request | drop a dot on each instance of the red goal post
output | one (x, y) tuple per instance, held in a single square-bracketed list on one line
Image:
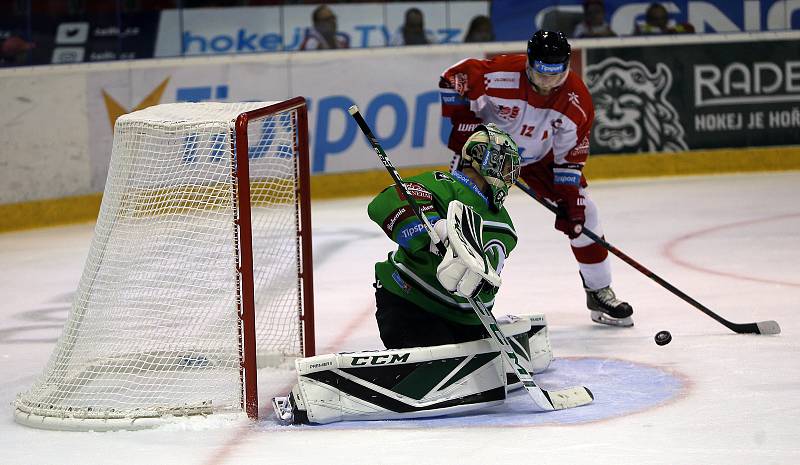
[(304, 237)]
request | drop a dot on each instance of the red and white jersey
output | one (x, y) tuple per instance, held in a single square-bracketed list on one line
[(498, 91)]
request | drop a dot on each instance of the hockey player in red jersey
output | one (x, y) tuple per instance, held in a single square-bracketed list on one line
[(548, 110)]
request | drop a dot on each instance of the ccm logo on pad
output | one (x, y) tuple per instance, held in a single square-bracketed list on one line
[(380, 359)]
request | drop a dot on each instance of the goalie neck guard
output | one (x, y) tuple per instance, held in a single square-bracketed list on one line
[(495, 155)]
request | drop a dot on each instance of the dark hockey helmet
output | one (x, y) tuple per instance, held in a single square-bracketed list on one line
[(495, 155), (548, 59)]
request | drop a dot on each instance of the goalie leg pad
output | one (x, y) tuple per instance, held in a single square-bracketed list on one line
[(529, 337), (401, 383), (539, 343)]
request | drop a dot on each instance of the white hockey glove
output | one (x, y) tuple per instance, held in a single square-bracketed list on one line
[(465, 266), (441, 230)]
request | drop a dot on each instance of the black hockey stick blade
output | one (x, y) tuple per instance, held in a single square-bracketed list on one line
[(763, 327)]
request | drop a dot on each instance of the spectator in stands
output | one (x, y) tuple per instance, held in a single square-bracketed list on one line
[(13, 50), (594, 21), (412, 31), (657, 21), (324, 34), (480, 30)]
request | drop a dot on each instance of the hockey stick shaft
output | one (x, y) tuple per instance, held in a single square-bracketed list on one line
[(762, 327), (545, 400), (412, 202)]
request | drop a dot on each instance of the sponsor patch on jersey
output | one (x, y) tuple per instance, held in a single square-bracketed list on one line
[(507, 113), (412, 230), (417, 190), (467, 127), (460, 82), (549, 68), (501, 80), (401, 282), (470, 184), (453, 99), (566, 176), (397, 216), (580, 151)]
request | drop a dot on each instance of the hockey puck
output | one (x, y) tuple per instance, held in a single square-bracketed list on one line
[(663, 338)]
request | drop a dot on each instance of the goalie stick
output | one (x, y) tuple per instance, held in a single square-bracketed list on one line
[(546, 400), (761, 327)]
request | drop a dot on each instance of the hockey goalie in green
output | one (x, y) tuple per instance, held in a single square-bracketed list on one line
[(439, 358)]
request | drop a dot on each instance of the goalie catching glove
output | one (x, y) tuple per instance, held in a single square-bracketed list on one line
[(464, 266)]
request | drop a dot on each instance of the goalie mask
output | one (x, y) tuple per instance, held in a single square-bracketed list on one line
[(495, 155)]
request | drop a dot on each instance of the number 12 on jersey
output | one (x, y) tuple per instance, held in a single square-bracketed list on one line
[(526, 130)]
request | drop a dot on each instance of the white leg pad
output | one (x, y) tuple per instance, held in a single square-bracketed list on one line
[(529, 337), (539, 343), (402, 383)]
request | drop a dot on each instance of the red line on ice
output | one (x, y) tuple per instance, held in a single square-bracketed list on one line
[(671, 254), (221, 455)]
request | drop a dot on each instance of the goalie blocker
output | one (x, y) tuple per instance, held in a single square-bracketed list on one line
[(413, 383)]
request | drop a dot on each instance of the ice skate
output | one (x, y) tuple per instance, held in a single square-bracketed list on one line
[(607, 309)]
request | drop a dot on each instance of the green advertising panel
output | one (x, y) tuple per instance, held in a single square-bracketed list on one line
[(695, 96)]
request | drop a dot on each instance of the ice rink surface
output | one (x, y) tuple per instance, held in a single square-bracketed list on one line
[(709, 397)]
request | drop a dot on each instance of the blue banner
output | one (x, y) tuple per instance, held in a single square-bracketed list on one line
[(515, 20), (87, 38)]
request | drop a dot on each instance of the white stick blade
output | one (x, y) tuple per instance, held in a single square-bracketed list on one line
[(768, 327), (353, 109), (570, 397)]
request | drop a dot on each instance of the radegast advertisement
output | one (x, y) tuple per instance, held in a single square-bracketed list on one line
[(690, 96)]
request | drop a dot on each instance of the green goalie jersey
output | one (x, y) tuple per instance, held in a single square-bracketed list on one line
[(410, 271)]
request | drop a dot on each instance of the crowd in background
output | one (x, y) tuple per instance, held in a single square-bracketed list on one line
[(656, 21), (593, 23), (322, 33)]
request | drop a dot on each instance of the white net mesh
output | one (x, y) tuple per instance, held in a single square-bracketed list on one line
[(154, 328)]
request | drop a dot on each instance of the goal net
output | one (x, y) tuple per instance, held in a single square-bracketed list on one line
[(199, 270)]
